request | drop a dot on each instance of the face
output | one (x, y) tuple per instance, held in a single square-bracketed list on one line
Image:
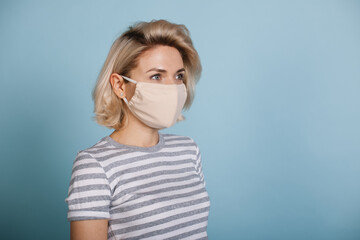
[(161, 64)]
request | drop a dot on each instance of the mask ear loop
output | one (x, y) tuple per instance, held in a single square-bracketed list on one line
[(130, 80)]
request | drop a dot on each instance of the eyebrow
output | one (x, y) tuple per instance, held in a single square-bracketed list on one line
[(163, 70)]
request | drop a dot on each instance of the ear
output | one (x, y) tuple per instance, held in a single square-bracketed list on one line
[(118, 85)]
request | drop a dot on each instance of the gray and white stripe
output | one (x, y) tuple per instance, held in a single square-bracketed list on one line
[(146, 193)]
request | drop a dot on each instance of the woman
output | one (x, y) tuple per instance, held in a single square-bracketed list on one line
[(139, 183)]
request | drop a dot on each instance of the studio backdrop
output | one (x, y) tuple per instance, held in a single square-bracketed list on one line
[(276, 112)]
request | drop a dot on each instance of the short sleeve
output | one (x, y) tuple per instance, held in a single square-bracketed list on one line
[(89, 193), (198, 165)]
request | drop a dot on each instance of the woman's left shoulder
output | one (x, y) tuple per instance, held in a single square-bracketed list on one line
[(169, 137)]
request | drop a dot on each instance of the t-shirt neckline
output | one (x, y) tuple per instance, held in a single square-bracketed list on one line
[(154, 148)]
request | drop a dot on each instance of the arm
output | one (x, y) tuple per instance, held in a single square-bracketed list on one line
[(198, 163), (89, 229), (198, 166), (88, 200)]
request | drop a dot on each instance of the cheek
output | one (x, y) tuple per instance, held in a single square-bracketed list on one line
[(130, 90)]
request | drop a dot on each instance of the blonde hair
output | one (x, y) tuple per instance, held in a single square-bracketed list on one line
[(123, 57)]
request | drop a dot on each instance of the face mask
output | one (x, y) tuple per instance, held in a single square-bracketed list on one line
[(157, 105)]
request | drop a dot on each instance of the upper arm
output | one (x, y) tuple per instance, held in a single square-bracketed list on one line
[(89, 194), (89, 229), (198, 166), (88, 200), (198, 162)]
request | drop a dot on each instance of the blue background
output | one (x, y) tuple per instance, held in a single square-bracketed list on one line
[(276, 113)]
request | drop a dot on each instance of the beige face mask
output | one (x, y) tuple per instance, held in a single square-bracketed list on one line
[(157, 105)]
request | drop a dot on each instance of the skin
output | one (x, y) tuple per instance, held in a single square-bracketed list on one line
[(89, 230), (136, 133)]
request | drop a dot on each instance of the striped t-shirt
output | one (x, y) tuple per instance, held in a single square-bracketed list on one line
[(153, 192)]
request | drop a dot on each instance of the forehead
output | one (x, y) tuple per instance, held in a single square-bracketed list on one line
[(165, 57)]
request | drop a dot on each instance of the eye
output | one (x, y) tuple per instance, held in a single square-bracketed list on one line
[(180, 76), (155, 77)]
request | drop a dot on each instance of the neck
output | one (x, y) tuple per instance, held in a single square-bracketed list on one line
[(136, 133)]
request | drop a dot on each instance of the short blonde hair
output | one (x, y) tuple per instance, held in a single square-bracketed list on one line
[(123, 57)]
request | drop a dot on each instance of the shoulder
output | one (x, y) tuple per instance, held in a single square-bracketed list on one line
[(88, 153), (171, 136), (179, 139), (101, 144)]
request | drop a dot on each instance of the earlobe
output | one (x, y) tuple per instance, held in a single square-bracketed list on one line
[(117, 84)]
